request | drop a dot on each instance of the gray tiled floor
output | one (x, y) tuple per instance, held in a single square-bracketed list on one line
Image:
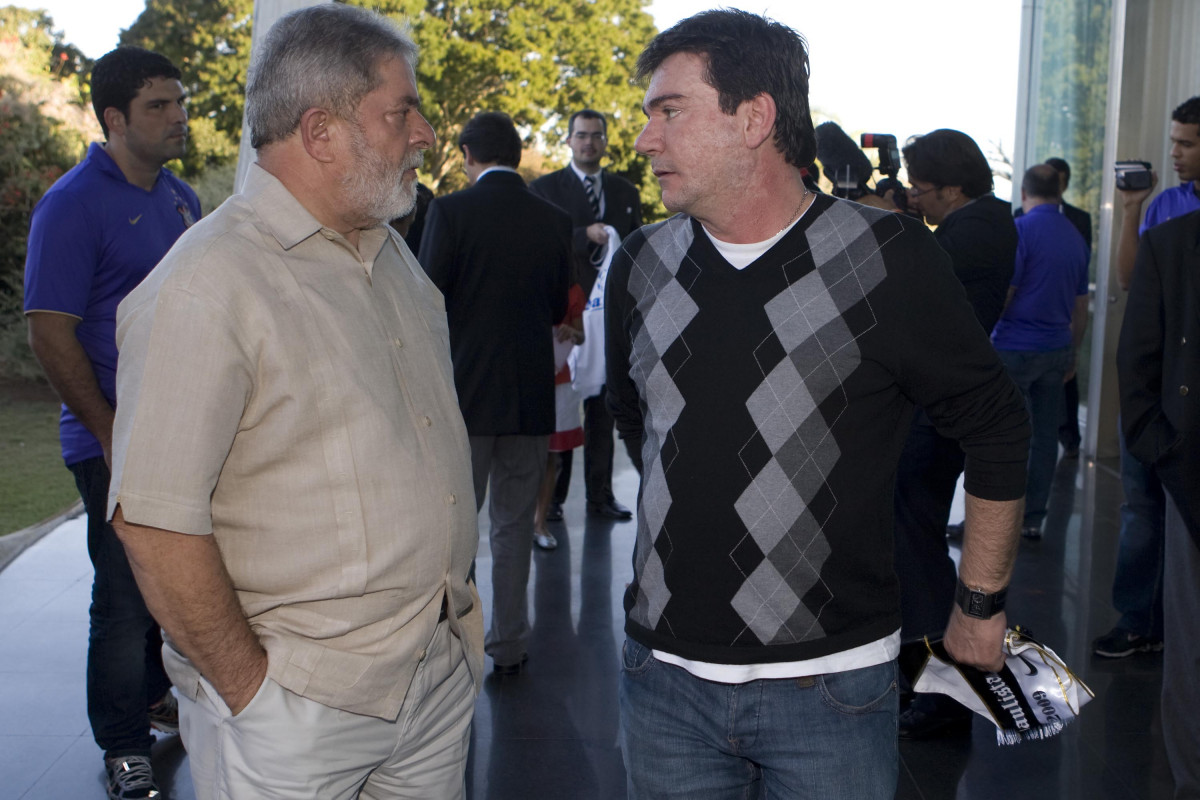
[(552, 731)]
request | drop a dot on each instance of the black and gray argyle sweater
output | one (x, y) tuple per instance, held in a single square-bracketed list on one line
[(772, 404)]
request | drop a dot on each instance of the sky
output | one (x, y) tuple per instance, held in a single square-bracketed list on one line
[(878, 66)]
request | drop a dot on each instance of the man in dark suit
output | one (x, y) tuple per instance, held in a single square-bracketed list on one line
[(1158, 365), (951, 188), (501, 258), (594, 198)]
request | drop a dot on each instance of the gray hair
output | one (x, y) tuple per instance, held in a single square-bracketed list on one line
[(324, 56)]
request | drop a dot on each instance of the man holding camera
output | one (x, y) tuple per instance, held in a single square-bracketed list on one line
[(1137, 583), (952, 188)]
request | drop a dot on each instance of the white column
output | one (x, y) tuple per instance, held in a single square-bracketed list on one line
[(265, 14)]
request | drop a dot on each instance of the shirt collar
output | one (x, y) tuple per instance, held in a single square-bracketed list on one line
[(496, 168), (289, 221), (104, 162), (581, 174)]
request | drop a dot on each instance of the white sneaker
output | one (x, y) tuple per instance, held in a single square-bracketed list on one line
[(545, 541)]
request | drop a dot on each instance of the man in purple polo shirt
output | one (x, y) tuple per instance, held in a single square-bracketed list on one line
[(1042, 325), (1138, 579), (94, 236)]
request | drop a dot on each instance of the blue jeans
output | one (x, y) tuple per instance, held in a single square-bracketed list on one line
[(824, 737), (1040, 378), (125, 674), (1138, 580)]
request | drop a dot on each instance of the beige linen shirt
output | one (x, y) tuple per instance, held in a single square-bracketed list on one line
[(293, 396)]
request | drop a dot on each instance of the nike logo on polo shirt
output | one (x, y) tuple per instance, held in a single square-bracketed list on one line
[(135, 220)]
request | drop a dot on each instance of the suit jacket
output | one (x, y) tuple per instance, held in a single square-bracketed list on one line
[(501, 257), (981, 240), (1158, 361), (622, 210)]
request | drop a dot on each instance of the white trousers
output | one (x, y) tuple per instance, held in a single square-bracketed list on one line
[(283, 745)]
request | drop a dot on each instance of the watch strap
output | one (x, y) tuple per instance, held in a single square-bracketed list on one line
[(977, 603)]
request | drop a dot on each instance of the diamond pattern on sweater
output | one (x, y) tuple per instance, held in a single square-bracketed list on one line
[(657, 273), (810, 351)]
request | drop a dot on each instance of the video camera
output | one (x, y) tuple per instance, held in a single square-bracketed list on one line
[(1133, 175), (889, 166)]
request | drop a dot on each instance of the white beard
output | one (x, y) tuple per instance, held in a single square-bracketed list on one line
[(376, 189)]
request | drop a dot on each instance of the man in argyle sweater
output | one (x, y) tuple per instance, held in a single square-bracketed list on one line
[(766, 347)]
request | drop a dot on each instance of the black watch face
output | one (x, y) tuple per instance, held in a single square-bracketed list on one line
[(976, 604)]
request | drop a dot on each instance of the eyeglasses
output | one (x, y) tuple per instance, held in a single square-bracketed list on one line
[(581, 136), (913, 191)]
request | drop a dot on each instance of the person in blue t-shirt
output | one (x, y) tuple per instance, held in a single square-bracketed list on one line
[(1041, 328), (94, 236), (1138, 580)]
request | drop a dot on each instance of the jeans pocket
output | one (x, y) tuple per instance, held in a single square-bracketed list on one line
[(859, 691), (635, 659)]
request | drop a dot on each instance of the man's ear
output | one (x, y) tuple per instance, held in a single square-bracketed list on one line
[(115, 121), (319, 130), (467, 159), (759, 119)]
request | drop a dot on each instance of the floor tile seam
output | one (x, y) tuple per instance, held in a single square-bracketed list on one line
[(49, 768), (911, 777), (1131, 790)]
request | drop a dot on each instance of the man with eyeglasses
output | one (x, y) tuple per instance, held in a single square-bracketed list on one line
[(952, 189), (594, 198)]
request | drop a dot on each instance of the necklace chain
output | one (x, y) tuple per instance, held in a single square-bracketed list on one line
[(799, 210)]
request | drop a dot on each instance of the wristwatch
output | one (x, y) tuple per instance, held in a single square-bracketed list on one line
[(978, 603)]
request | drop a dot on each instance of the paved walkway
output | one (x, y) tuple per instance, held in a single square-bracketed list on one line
[(551, 733)]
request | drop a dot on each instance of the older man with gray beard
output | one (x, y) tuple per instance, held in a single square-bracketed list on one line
[(291, 474)]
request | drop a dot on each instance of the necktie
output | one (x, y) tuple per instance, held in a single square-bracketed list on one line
[(595, 251), (593, 193)]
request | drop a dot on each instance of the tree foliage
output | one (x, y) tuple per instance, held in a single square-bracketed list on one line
[(209, 40), (1073, 95), (45, 126), (536, 60)]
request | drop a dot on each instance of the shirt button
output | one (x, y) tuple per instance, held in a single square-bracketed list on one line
[(428, 422), (452, 500), (1183, 340), (1183, 390), (399, 344)]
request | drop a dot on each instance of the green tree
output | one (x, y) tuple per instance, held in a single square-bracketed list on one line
[(536, 60), (1073, 95), (1072, 107), (209, 40), (30, 43), (45, 126)]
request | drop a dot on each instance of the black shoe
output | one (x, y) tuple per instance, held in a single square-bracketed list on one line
[(1119, 643), (954, 530), (610, 509), (1032, 532), (933, 716), (554, 513), (510, 669)]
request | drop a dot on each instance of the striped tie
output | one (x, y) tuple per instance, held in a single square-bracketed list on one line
[(593, 193), (595, 251)]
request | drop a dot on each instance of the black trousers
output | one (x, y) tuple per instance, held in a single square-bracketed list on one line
[(925, 480), (597, 454)]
